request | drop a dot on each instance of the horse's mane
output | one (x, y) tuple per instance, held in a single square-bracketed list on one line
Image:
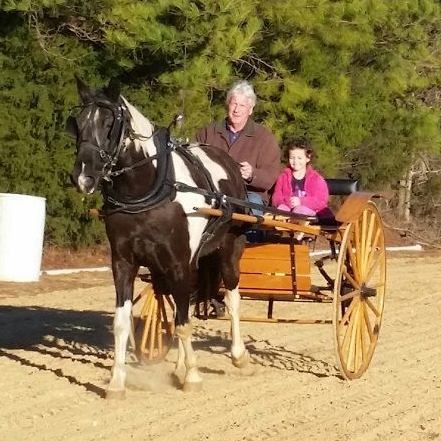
[(141, 126)]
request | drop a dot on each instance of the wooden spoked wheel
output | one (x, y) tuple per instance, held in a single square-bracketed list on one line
[(153, 326), (359, 291)]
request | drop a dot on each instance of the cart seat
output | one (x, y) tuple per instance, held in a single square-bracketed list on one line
[(336, 187), (342, 187)]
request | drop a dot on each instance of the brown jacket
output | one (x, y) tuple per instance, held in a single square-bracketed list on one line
[(256, 145)]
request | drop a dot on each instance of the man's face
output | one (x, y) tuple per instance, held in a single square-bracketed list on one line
[(239, 110)]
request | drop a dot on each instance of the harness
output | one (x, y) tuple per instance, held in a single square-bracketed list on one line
[(162, 191), (165, 186)]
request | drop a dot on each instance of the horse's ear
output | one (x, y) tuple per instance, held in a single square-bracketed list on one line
[(71, 126), (84, 90), (112, 90)]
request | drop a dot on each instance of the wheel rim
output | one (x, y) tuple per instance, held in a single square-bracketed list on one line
[(154, 326), (359, 291)]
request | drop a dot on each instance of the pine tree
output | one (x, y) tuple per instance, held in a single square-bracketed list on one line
[(355, 76)]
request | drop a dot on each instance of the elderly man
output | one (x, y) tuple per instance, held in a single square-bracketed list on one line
[(250, 144)]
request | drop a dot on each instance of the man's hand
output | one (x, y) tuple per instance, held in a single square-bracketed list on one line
[(246, 170)]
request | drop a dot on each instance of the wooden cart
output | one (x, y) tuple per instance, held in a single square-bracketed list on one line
[(280, 270)]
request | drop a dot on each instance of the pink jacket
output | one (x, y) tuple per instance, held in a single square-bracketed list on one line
[(316, 189)]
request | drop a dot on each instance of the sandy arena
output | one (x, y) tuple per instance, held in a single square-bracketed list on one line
[(56, 349)]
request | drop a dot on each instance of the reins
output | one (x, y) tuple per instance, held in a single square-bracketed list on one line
[(134, 135), (220, 199), (137, 164)]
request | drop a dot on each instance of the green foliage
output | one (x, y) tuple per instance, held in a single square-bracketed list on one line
[(37, 155), (355, 76)]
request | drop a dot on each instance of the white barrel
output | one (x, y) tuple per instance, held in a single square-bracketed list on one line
[(21, 237)]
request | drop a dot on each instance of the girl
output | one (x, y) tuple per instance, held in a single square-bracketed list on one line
[(300, 189)]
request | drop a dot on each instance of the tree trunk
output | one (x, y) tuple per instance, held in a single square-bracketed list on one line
[(404, 195)]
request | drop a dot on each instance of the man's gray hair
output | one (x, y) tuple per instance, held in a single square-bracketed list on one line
[(243, 88)]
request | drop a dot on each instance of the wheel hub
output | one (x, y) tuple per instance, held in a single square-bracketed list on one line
[(366, 291)]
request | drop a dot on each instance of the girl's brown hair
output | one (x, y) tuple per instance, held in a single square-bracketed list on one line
[(299, 143)]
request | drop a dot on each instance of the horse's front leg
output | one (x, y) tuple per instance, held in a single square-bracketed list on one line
[(239, 353), (124, 275), (186, 354)]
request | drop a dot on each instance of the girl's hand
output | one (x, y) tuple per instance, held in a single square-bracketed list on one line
[(295, 201)]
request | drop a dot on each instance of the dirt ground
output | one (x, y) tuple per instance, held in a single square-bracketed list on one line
[(56, 354)]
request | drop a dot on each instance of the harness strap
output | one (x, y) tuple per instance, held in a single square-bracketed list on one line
[(214, 223), (163, 189), (197, 163)]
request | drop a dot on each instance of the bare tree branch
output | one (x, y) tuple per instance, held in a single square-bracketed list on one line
[(411, 233), (75, 25)]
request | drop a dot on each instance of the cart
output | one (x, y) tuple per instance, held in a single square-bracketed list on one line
[(279, 270)]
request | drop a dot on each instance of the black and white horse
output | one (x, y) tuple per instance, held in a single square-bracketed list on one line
[(150, 222)]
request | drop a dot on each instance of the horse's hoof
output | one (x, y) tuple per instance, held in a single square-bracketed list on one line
[(192, 387), (115, 394), (241, 361)]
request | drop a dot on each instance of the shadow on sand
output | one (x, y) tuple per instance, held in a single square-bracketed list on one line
[(86, 337), (266, 354), (80, 336)]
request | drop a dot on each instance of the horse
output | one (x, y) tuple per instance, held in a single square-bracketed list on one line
[(151, 187)]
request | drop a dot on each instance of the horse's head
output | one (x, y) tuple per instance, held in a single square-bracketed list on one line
[(98, 129)]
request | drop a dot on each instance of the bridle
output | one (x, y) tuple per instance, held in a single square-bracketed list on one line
[(119, 131)]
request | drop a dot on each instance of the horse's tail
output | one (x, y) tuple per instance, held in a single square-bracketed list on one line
[(209, 276)]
